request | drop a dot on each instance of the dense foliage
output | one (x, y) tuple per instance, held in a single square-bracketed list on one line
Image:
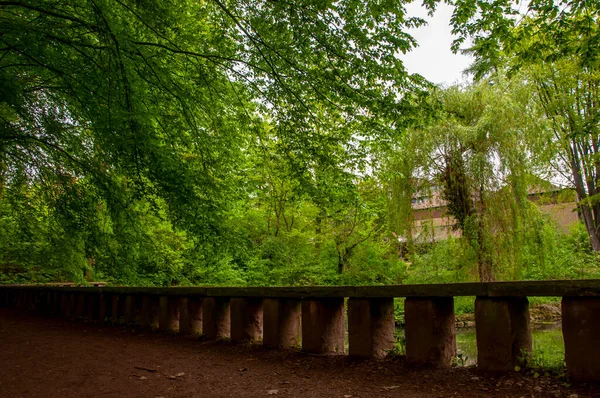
[(266, 142)]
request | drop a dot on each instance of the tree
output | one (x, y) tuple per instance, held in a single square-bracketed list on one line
[(161, 100), (554, 44), (477, 153)]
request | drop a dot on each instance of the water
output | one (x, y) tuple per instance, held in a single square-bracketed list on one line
[(548, 346)]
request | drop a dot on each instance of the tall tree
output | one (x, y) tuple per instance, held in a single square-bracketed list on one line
[(476, 158), (160, 99), (556, 43)]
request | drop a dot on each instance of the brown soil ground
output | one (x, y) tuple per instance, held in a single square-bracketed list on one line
[(49, 357)]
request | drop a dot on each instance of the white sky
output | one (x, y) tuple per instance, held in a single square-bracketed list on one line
[(433, 59)]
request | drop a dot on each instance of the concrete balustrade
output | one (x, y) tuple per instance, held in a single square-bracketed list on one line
[(314, 317), (80, 305), (132, 309), (581, 332), (93, 307), (168, 316), (190, 318), (430, 331), (115, 309), (216, 321), (281, 322), (323, 329), (246, 319), (503, 332), (104, 302), (370, 327), (149, 312)]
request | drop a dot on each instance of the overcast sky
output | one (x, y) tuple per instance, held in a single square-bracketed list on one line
[(433, 58)]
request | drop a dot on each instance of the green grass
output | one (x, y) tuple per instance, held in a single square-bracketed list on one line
[(548, 349)]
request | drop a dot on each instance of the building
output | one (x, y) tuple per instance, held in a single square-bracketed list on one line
[(432, 222)]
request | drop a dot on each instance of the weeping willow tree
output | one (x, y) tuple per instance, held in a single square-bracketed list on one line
[(476, 157), (556, 43)]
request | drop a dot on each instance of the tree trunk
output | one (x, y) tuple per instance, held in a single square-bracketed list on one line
[(586, 211)]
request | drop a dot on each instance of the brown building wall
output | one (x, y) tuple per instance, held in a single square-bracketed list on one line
[(433, 223)]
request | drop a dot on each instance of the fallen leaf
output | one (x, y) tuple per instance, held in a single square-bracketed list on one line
[(272, 392), (143, 377)]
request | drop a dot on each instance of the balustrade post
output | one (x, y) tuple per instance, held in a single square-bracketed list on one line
[(503, 332), (190, 320), (430, 331), (4, 298), (323, 329), (105, 306), (79, 305), (168, 320), (132, 309), (149, 313), (116, 308), (370, 326), (67, 302), (246, 319), (56, 303), (281, 322), (41, 301), (92, 306), (216, 317), (581, 332)]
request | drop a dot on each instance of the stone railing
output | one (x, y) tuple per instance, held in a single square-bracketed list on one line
[(314, 317)]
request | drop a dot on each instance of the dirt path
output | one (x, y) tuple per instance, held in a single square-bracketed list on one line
[(49, 357)]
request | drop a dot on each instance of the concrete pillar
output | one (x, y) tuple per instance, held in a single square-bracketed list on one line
[(20, 300), (116, 308), (56, 297), (246, 319), (41, 301), (34, 299), (430, 331), (168, 318), (281, 322), (581, 332), (67, 304), (4, 295), (323, 329), (503, 333), (92, 307), (216, 319), (190, 319), (104, 307), (371, 326), (80, 305), (132, 309), (149, 313)]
